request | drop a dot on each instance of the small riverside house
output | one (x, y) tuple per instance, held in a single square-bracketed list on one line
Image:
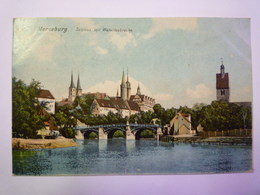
[(181, 124)]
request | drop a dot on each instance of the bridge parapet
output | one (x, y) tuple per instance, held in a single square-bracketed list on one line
[(116, 126), (130, 129)]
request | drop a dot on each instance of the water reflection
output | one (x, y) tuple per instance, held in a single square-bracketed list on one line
[(116, 145), (130, 146), (37, 166), (102, 145), (120, 156)]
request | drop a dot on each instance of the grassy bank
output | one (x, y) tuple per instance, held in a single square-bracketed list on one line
[(19, 143)]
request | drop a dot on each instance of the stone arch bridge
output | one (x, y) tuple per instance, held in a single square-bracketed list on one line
[(131, 131)]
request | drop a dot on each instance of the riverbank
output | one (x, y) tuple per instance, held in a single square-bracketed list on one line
[(216, 140), (19, 143)]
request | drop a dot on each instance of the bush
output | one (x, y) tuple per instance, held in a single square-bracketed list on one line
[(118, 134), (67, 132)]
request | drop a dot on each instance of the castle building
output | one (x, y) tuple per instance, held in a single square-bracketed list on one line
[(120, 106), (124, 104), (145, 102), (222, 85)]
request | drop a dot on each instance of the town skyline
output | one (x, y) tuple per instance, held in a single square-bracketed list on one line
[(175, 60)]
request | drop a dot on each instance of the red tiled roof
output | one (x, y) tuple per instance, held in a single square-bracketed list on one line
[(118, 104), (45, 94), (133, 96), (65, 102), (184, 116), (133, 106), (222, 82), (51, 120), (114, 103)]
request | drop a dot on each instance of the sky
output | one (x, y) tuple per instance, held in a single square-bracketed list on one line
[(174, 60)]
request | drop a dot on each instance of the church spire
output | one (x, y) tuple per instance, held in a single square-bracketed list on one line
[(123, 87), (72, 90), (138, 90), (222, 68), (71, 82), (127, 75), (78, 83), (128, 86), (123, 78)]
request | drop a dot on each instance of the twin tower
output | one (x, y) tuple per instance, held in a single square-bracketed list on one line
[(74, 91), (125, 88)]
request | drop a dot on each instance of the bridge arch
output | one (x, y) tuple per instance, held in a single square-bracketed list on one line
[(87, 133), (138, 131), (111, 131)]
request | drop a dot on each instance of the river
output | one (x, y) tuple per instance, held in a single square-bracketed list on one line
[(119, 156)]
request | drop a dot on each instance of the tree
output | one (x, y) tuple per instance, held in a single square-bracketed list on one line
[(185, 109), (66, 121), (84, 102), (198, 106), (25, 109), (147, 134), (158, 110), (222, 115), (142, 117), (196, 114), (168, 115), (246, 113), (67, 132)]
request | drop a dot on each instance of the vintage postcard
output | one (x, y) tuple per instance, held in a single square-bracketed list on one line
[(128, 96)]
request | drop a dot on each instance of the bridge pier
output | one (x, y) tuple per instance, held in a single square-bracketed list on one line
[(128, 133), (79, 135), (101, 134), (159, 133)]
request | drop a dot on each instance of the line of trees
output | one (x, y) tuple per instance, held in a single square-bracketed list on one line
[(27, 118), (25, 109), (27, 112), (219, 115), (224, 116)]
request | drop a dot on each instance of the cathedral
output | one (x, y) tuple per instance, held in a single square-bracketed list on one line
[(125, 103)]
